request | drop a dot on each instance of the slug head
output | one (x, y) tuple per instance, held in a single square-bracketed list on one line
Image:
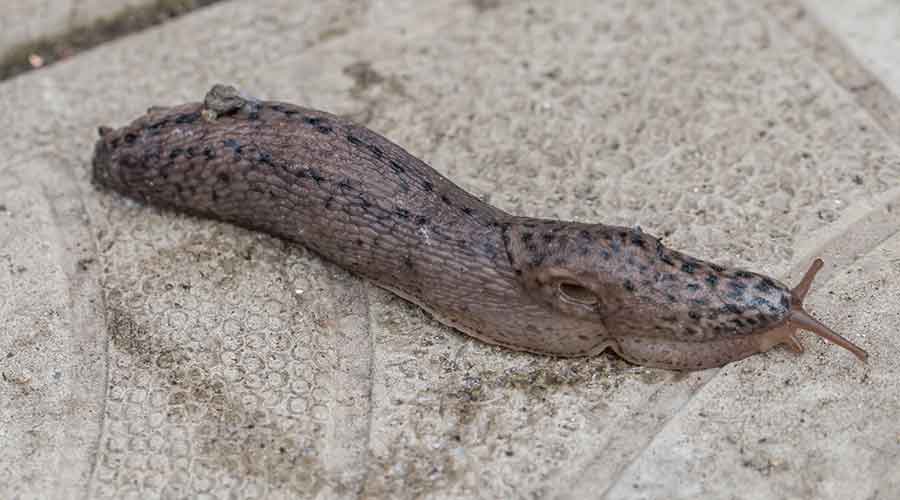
[(798, 318), (622, 289), (127, 158)]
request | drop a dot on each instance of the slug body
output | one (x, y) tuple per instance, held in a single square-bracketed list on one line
[(359, 200)]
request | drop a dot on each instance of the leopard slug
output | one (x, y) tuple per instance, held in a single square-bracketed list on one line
[(545, 286)]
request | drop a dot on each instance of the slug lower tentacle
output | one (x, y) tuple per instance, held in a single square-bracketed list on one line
[(545, 286)]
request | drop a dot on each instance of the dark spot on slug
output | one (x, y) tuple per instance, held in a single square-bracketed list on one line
[(187, 118), (154, 128), (175, 153), (717, 268), (692, 287), (446, 200), (344, 185), (233, 144), (467, 210), (743, 274), (694, 315), (628, 285), (732, 308), (585, 235), (265, 157), (662, 255), (765, 285), (688, 267), (547, 237), (312, 173), (489, 249), (637, 240), (427, 186), (615, 247), (402, 212), (130, 138), (356, 141), (396, 166), (147, 157), (759, 303), (375, 150), (407, 261), (712, 280), (784, 302), (223, 177), (209, 153), (320, 125), (526, 237), (421, 220)]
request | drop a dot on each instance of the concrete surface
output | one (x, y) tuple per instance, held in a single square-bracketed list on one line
[(150, 355), (26, 21)]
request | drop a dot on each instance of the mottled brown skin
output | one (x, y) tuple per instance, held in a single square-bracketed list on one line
[(359, 200)]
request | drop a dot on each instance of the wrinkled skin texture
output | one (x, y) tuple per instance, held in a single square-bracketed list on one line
[(359, 200)]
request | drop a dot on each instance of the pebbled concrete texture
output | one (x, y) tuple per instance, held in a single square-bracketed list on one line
[(28, 21), (147, 354)]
